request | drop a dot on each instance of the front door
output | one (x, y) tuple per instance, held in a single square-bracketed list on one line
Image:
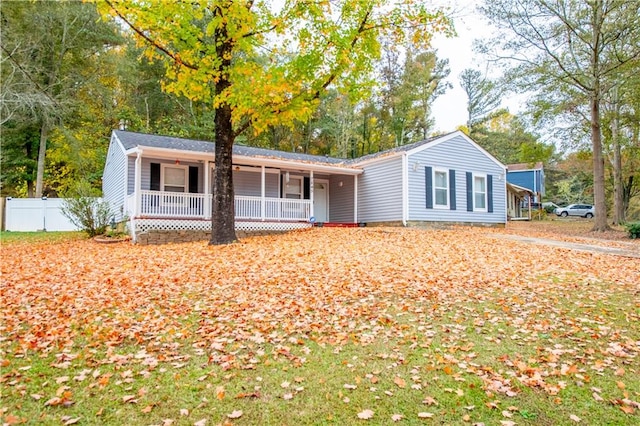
[(321, 200)]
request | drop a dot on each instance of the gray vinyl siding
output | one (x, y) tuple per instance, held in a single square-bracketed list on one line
[(113, 183), (245, 182), (248, 183), (146, 172), (341, 199), (131, 174), (380, 191), (457, 154)]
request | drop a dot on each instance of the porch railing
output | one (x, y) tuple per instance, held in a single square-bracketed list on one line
[(198, 206)]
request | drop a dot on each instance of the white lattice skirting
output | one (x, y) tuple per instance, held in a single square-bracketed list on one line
[(145, 225)]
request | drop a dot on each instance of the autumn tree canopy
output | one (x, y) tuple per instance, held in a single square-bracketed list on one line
[(573, 53), (260, 63)]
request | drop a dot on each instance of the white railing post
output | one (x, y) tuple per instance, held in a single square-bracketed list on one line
[(311, 212), (263, 193), (138, 184), (207, 192)]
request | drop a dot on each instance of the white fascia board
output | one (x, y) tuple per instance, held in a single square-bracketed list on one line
[(519, 188), (450, 136), (114, 137), (380, 159), (524, 170), (173, 154), (298, 165)]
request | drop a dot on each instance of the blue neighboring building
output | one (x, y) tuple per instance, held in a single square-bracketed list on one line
[(528, 175)]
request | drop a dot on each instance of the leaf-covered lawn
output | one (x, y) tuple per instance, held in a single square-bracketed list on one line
[(327, 326)]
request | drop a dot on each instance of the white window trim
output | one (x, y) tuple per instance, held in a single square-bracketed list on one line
[(174, 166), (301, 193), (486, 192), (446, 172)]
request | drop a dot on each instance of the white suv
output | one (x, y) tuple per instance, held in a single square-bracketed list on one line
[(582, 210)]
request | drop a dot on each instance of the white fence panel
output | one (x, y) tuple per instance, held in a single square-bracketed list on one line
[(34, 214)]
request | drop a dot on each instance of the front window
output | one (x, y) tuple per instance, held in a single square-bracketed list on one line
[(293, 188), (174, 179), (480, 193), (441, 188)]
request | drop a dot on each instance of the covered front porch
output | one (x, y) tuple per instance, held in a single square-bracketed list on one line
[(169, 193)]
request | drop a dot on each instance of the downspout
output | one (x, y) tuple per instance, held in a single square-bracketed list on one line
[(312, 197), (506, 194), (355, 198), (137, 187), (405, 188)]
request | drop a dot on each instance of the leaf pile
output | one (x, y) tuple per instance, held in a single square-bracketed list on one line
[(507, 315)]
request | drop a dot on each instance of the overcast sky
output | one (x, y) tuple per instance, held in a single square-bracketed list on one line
[(450, 109)]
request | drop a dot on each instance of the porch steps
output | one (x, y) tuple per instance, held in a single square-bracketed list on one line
[(337, 224)]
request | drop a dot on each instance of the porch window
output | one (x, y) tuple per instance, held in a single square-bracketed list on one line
[(441, 188), (480, 193), (174, 178), (293, 188)]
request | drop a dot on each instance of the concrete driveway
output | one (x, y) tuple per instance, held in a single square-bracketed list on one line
[(632, 251)]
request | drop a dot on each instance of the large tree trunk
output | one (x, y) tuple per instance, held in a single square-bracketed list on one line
[(223, 217), (223, 229), (600, 222), (44, 130)]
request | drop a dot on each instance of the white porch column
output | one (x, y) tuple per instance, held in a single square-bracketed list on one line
[(355, 198), (311, 213), (263, 193), (138, 185), (207, 191)]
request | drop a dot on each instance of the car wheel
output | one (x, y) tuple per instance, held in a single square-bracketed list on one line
[(588, 215), (564, 214)]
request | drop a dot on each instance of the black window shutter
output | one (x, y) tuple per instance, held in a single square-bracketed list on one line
[(469, 191), (306, 190), (193, 179), (452, 189), (428, 179), (154, 185), (490, 193)]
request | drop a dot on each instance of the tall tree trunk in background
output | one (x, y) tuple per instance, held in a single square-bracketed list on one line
[(619, 211), (44, 132), (618, 186), (600, 222)]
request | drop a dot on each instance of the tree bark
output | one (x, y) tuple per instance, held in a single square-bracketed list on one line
[(600, 221), (618, 186), (223, 213), (44, 131)]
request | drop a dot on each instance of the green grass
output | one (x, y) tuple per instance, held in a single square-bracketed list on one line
[(138, 340), (34, 237), (441, 356)]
